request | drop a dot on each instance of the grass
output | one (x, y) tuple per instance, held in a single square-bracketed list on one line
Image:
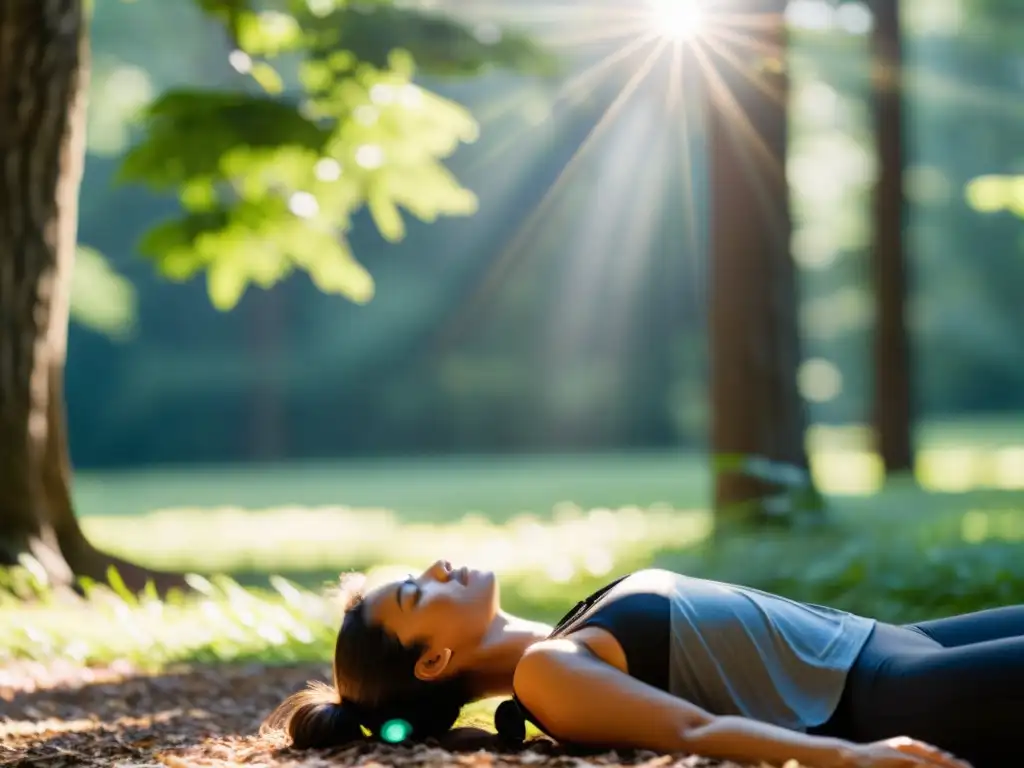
[(953, 456), (900, 555)]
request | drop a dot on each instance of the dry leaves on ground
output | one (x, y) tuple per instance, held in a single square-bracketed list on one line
[(65, 715)]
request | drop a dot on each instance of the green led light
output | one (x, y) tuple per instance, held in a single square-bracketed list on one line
[(395, 731)]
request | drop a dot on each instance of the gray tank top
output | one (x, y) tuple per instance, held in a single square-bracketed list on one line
[(731, 650), (739, 651)]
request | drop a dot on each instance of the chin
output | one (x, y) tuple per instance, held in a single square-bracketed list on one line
[(489, 587)]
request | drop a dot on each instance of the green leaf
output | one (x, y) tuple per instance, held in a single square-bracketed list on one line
[(335, 270), (268, 33), (267, 77), (172, 154), (270, 184), (118, 586), (440, 44), (386, 216), (226, 282)]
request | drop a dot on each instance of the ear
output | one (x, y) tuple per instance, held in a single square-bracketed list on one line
[(433, 663)]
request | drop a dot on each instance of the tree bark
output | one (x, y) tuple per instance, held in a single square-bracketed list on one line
[(43, 78), (758, 417), (892, 410)]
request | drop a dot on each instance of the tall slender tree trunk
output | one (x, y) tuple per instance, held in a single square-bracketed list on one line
[(43, 74), (892, 408), (758, 417)]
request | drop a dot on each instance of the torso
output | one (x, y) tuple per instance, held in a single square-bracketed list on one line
[(629, 628), (728, 649)]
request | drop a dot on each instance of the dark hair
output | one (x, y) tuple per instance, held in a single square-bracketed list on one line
[(374, 683)]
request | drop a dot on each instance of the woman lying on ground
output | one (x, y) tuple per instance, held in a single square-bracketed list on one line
[(664, 662)]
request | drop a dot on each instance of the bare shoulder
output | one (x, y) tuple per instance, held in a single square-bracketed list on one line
[(579, 698), (542, 659)]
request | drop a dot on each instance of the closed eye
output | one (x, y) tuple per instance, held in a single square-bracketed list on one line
[(409, 586)]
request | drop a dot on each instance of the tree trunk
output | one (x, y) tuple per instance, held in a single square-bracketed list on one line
[(758, 417), (43, 72), (892, 413)]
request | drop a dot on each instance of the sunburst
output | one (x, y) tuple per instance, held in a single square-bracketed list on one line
[(622, 41), (676, 20)]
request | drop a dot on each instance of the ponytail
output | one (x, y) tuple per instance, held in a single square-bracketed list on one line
[(315, 718)]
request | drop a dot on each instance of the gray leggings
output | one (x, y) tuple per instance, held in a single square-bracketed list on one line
[(957, 683)]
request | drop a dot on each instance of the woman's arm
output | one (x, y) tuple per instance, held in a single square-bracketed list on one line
[(583, 700)]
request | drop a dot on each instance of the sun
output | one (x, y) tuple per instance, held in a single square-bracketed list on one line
[(676, 19)]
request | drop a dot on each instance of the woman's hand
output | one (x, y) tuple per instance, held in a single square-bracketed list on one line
[(904, 752)]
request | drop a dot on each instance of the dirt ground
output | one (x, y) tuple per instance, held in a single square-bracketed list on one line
[(66, 715)]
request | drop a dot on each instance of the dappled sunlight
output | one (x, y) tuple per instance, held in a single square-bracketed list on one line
[(979, 526), (320, 539), (942, 470), (222, 621)]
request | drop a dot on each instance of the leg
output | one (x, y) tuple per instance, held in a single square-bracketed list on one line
[(968, 700), (979, 627)]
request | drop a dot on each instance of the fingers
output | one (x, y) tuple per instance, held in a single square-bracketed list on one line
[(932, 754)]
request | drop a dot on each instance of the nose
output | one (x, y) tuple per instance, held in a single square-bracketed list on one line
[(440, 571)]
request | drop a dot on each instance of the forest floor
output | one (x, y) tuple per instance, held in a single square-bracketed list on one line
[(208, 716)]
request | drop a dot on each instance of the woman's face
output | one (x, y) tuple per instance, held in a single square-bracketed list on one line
[(448, 609)]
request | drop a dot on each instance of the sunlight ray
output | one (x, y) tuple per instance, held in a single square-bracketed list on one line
[(746, 41), (746, 71), (582, 79), (602, 34), (719, 92), (549, 12), (599, 284), (511, 101), (480, 160), (678, 111), (506, 259), (570, 93), (746, 20), (675, 78)]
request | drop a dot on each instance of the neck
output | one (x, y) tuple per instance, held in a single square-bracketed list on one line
[(494, 664)]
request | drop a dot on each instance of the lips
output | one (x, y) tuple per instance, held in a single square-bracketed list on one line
[(463, 576)]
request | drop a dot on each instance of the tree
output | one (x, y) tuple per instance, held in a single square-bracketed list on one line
[(892, 407), (268, 180), (758, 417), (41, 152), (280, 171)]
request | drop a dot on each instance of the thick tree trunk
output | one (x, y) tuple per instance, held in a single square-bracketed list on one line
[(758, 416), (43, 69), (892, 413)]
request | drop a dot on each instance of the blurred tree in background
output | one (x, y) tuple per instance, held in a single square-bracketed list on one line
[(759, 419), (268, 181), (892, 391), (593, 336)]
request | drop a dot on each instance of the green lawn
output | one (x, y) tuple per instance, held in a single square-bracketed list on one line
[(900, 555), (520, 514), (414, 489), (953, 456), (554, 528)]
